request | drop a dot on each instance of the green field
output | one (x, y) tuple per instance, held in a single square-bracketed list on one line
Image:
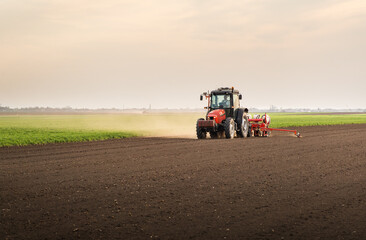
[(19, 130)]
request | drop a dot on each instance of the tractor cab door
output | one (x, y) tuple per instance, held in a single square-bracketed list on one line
[(230, 110), (234, 105)]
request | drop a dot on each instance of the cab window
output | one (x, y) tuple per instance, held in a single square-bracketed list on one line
[(221, 101)]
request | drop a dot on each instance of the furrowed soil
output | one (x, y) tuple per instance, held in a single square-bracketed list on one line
[(281, 187)]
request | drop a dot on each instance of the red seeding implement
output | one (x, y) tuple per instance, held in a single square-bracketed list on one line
[(226, 118), (259, 126)]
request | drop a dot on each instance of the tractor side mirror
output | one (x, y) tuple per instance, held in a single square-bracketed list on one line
[(240, 96), (201, 97)]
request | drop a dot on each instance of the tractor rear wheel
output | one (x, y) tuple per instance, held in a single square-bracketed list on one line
[(229, 128), (201, 133), (243, 125)]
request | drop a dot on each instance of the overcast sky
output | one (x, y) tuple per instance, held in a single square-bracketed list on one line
[(92, 53)]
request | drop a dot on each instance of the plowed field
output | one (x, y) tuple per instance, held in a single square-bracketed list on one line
[(174, 188)]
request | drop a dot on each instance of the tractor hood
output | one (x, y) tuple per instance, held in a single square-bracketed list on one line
[(218, 115)]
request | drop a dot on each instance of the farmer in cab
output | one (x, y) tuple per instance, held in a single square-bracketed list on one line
[(225, 102)]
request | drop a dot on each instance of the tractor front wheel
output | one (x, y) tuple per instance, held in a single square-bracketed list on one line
[(201, 133), (229, 128), (213, 134)]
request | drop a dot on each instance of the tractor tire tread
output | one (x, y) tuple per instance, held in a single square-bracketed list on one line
[(229, 121), (201, 133)]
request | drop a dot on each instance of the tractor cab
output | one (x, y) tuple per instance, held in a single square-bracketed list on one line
[(227, 99)]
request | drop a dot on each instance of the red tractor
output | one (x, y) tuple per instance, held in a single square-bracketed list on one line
[(224, 115), (226, 118)]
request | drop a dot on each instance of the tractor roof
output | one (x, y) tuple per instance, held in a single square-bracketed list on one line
[(225, 90)]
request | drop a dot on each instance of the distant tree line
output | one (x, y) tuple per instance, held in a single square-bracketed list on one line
[(5, 109)]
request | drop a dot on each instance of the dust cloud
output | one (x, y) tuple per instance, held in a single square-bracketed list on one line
[(149, 125)]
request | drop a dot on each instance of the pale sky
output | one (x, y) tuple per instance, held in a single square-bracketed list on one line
[(92, 53)]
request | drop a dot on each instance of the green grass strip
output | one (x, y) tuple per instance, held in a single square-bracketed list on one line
[(28, 136), (283, 120)]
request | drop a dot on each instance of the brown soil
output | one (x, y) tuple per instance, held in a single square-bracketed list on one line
[(279, 187)]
